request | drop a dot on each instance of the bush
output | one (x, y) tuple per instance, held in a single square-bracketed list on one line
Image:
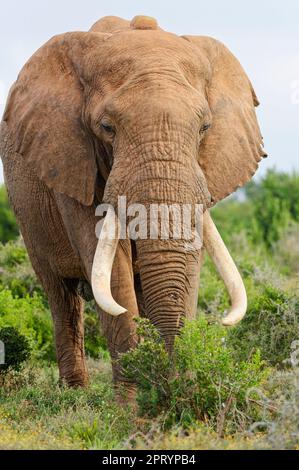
[(8, 225), (30, 318), (13, 254), (19, 279), (271, 322), (270, 325), (203, 381), (16, 271), (286, 253), (16, 350), (264, 211), (283, 428), (150, 364), (275, 202)]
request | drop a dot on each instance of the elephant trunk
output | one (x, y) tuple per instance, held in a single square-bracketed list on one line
[(169, 278)]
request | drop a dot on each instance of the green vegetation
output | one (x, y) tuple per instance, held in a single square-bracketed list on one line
[(23, 305), (203, 381), (270, 326), (275, 202), (231, 388), (8, 226), (36, 412), (17, 349)]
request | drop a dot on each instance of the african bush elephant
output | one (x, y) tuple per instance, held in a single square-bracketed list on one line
[(125, 109)]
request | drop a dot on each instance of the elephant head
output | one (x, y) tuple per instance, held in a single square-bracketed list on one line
[(150, 115)]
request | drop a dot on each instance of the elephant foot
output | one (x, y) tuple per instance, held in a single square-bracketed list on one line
[(77, 380)]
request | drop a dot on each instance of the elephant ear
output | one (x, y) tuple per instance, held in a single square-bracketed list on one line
[(43, 114), (233, 146)]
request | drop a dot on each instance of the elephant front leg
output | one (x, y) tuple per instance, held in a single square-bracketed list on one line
[(120, 331), (67, 312)]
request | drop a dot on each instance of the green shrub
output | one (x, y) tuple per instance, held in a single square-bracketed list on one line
[(279, 185), (286, 253), (149, 363), (16, 271), (30, 318), (264, 210), (16, 348), (271, 322), (18, 277), (283, 428), (8, 225), (13, 254), (206, 365), (203, 381), (23, 304), (270, 325), (275, 202)]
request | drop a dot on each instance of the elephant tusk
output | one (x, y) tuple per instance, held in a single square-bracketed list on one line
[(102, 266), (227, 270)]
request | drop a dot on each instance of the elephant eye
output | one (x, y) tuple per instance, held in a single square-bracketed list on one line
[(205, 127), (107, 127)]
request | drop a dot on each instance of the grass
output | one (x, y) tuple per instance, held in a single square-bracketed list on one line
[(37, 413)]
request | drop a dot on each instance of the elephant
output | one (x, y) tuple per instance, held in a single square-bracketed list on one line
[(125, 108)]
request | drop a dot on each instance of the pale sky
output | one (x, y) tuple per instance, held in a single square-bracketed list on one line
[(263, 34)]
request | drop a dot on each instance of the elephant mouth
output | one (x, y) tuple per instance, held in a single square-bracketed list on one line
[(212, 241)]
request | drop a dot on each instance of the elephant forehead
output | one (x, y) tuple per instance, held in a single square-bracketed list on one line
[(133, 51), (137, 42)]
